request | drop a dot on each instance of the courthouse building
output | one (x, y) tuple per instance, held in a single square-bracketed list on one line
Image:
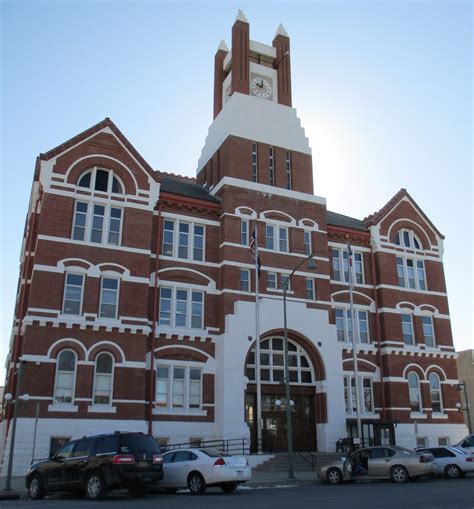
[(136, 299)]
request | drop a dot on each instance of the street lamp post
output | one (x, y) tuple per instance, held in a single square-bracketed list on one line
[(311, 265), (461, 386)]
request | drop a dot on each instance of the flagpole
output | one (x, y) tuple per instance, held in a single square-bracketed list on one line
[(257, 349), (354, 345)]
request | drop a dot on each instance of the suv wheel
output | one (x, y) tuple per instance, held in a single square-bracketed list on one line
[(196, 483), (96, 487), (36, 489), (453, 471)]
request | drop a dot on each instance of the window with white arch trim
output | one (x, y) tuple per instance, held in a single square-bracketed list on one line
[(272, 363), (435, 393), (414, 391), (99, 179), (65, 380), (407, 238), (103, 379)]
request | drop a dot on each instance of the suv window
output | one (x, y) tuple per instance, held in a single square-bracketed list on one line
[(65, 452), (83, 448), (137, 443), (107, 444)]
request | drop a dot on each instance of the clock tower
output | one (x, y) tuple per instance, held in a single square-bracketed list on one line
[(256, 134)]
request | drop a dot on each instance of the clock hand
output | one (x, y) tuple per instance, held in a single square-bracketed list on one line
[(261, 84)]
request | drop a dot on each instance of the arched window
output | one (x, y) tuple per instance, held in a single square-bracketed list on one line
[(414, 391), (102, 180), (407, 238), (435, 392), (272, 363), (103, 378), (65, 377)]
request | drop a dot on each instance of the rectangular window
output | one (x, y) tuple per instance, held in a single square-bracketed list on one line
[(178, 387), (80, 221), (347, 399), (340, 327), (168, 238), (407, 328), (340, 266), (244, 280), (411, 273), (73, 294), (115, 221), (165, 306), (421, 274), (344, 325), (288, 170), (272, 281), (363, 327), (271, 166), (109, 298), (307, 243), (283, 235), (368, 395), (183, 240), (428, 333), (254, 163), (198, 243), (97, 223), (181, 308), (244, 232), (400, 272), (270, 237), (310, 294), (197, 310), (284, 279)]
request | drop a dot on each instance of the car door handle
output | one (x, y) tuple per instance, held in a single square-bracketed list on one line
[(387, 461)]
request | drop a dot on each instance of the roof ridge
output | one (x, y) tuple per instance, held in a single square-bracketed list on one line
[(177, 175)]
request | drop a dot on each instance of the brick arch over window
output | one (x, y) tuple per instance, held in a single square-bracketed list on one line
[(437, 371), (180, 354), (107, 348), (68, 344), (415, 368), (409, 225), (88, 163), (310, 350)]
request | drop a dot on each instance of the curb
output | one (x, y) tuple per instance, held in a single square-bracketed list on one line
[(9, 495)]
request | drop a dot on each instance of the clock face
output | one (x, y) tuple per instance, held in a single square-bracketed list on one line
[(260, 87)]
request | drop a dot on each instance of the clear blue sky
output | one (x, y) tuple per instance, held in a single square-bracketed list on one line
[(384, 90)]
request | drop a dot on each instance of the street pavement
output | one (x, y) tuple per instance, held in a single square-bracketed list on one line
[(276, 492)]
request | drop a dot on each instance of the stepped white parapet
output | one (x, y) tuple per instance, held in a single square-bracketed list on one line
[(255, 119)]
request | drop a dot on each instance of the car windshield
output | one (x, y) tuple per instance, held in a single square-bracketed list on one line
[(214, 453), (402, 449), (137, 442), (458, 451)]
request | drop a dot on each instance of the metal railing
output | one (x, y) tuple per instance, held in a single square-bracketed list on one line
[(229, 446)]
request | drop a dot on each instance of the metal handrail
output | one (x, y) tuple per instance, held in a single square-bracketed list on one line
[(229, 446)]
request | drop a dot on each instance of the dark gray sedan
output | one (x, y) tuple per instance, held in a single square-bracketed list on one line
[(383, 462)]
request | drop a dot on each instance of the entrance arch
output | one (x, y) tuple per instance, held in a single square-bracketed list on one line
[(306, 371)]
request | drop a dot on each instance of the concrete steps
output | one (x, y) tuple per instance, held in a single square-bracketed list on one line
[(279, 462)]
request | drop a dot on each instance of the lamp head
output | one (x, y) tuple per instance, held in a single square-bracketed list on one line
[(311, 264), (8, 396), (458, 405)]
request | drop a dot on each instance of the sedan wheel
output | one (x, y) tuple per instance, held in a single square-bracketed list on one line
[(334, 476), (196, 483), (453, 471), (399, 474)]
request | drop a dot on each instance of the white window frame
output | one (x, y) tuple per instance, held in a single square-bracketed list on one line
[(254, 162), (402, 272), (412, 390), (191, 239), (244, 232), (105, 225), (288, 171), (82, 292), (413, 342), (312, 289), (276, 237), (344, 262), (111, 173), (431, 325), (350, 395), (271, 165), (307, 241), (241, 281), (111, 377), (400, 239), (440, 411), (346, 317), (187, 386), (273, 275), (189, 311), (73, 388), (117, 300)]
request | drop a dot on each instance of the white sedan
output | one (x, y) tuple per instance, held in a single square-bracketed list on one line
[(198, 468), (451, 461)]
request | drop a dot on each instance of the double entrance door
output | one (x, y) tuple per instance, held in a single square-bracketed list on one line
[(274, 430)]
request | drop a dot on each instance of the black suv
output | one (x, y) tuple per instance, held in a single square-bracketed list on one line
[(96, 464)]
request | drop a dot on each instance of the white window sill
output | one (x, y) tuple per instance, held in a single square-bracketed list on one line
[(439, 415), (180, 412), (103, 409), (418, 415), (62, 407)]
